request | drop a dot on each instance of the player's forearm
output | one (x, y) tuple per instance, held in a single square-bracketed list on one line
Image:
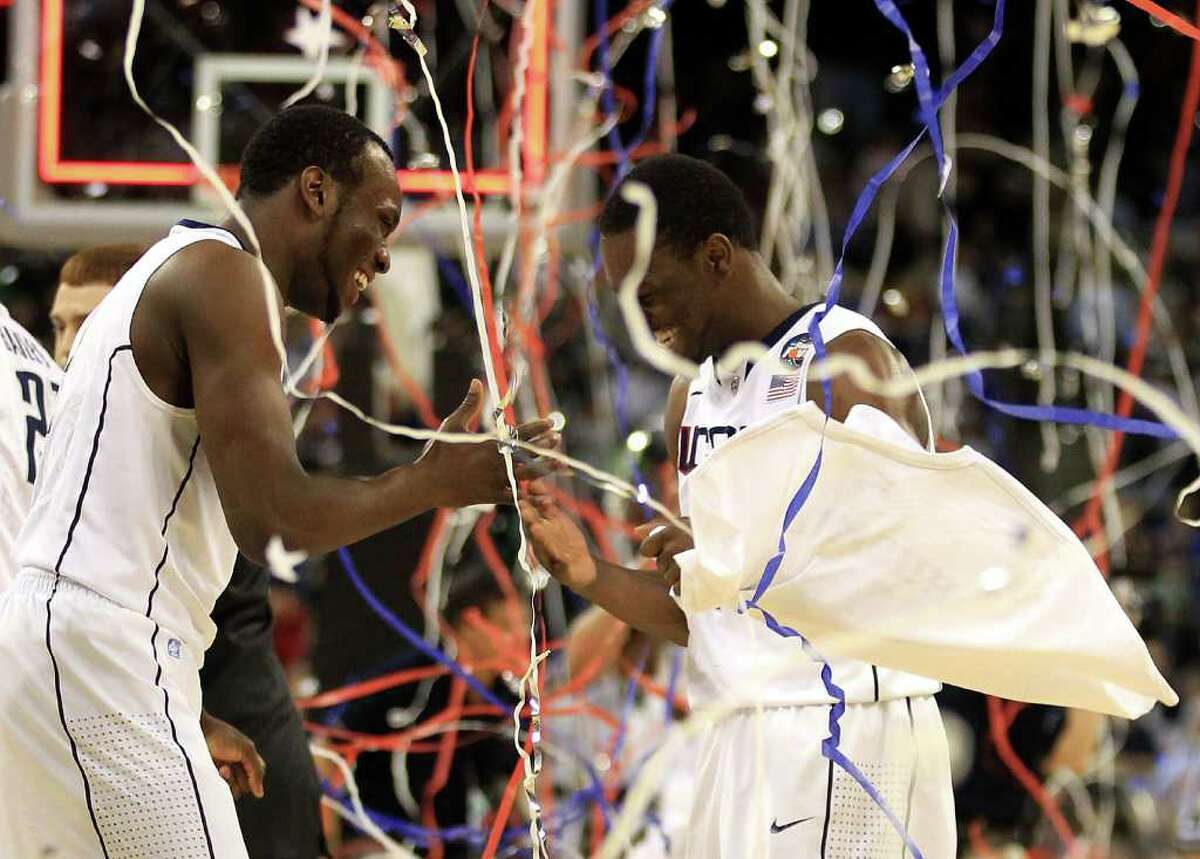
[(595, 637), (638, 598), (317, 513)]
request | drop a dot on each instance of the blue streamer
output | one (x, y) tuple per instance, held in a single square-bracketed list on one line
[(672, 685), (649, 101), (929, 106), (458, 283), (627, 708), (569, 810), (412, 636)]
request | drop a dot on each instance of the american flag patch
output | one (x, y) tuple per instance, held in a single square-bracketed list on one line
[(783, 387)]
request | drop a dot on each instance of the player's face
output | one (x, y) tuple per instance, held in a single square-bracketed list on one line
[(672, 295), (497, 626), (71, 307), (355, 243)]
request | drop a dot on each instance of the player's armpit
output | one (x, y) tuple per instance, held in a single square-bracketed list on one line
[(885, 363)]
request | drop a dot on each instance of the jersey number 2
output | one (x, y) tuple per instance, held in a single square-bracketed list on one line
[(33, 391)]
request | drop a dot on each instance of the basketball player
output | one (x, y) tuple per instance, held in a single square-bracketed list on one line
[(29, 384), (764, 787), (172, 448), (86, 278), (242, 681)]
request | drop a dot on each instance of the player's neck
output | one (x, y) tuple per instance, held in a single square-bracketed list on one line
[(271, 241), (760, 307)]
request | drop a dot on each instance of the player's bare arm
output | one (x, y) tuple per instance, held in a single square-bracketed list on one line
[(219, 356), (885, 363), (637, 597), (640, 598)]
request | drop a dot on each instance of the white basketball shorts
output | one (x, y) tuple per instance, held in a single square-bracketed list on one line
[(101, 753), (764, 789)]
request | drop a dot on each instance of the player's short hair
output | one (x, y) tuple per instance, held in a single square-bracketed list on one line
[(471, 585), (694, 199), (100, 264), (305, 136)]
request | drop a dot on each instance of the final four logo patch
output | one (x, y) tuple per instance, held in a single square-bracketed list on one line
[(795, 351)]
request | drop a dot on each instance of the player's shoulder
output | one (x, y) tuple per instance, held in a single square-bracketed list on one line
[(214, 262), (839, 320), (209, 278)]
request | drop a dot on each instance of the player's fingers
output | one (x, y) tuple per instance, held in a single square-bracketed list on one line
[(541, 467), (677, 542), (529, 512), (531, 430), (255, 770), (670, 573), (468, 409), (652, 545)]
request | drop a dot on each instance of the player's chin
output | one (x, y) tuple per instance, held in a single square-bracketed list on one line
[(334, 305)]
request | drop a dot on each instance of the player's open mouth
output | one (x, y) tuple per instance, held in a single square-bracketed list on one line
[(361, 280)]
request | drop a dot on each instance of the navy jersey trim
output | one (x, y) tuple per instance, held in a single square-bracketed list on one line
[(785, 326), (828, 807), (912, 777), (154, 651), (776, 333), (62, 718), (875, 679), (87, 474), (193, 224)]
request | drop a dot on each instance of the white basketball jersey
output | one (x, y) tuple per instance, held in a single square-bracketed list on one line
[(125, 502), (29, 381), (728, 652)]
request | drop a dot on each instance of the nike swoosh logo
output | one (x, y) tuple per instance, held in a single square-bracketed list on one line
[(776, 828)]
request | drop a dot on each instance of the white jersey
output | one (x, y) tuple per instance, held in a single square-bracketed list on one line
[(29, 381), (125, 502), (722, 643)]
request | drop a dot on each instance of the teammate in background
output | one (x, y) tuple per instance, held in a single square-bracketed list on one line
[(172, 449), (85, 278), (707, 288), (29, 384), (427, 789), (242, 681)]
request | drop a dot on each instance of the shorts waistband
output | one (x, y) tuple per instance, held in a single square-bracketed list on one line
[(38, 584), (34, 582)]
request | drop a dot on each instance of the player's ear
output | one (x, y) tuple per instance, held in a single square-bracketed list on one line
[(717, 254), (317, 192)]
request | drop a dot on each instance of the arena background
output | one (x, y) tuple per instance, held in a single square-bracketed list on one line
[(801, 103)]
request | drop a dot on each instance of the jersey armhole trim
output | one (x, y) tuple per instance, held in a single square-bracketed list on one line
[(153, 399), (216, 234)]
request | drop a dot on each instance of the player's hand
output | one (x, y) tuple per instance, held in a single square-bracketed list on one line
[(235, 756), (558, 543), (469, 474), (662, 541)]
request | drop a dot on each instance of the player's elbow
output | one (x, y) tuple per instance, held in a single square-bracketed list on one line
[(679, 635), (254, 531), (251, 539)]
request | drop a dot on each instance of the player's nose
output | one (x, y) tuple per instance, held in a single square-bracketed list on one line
[(383, 260)]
